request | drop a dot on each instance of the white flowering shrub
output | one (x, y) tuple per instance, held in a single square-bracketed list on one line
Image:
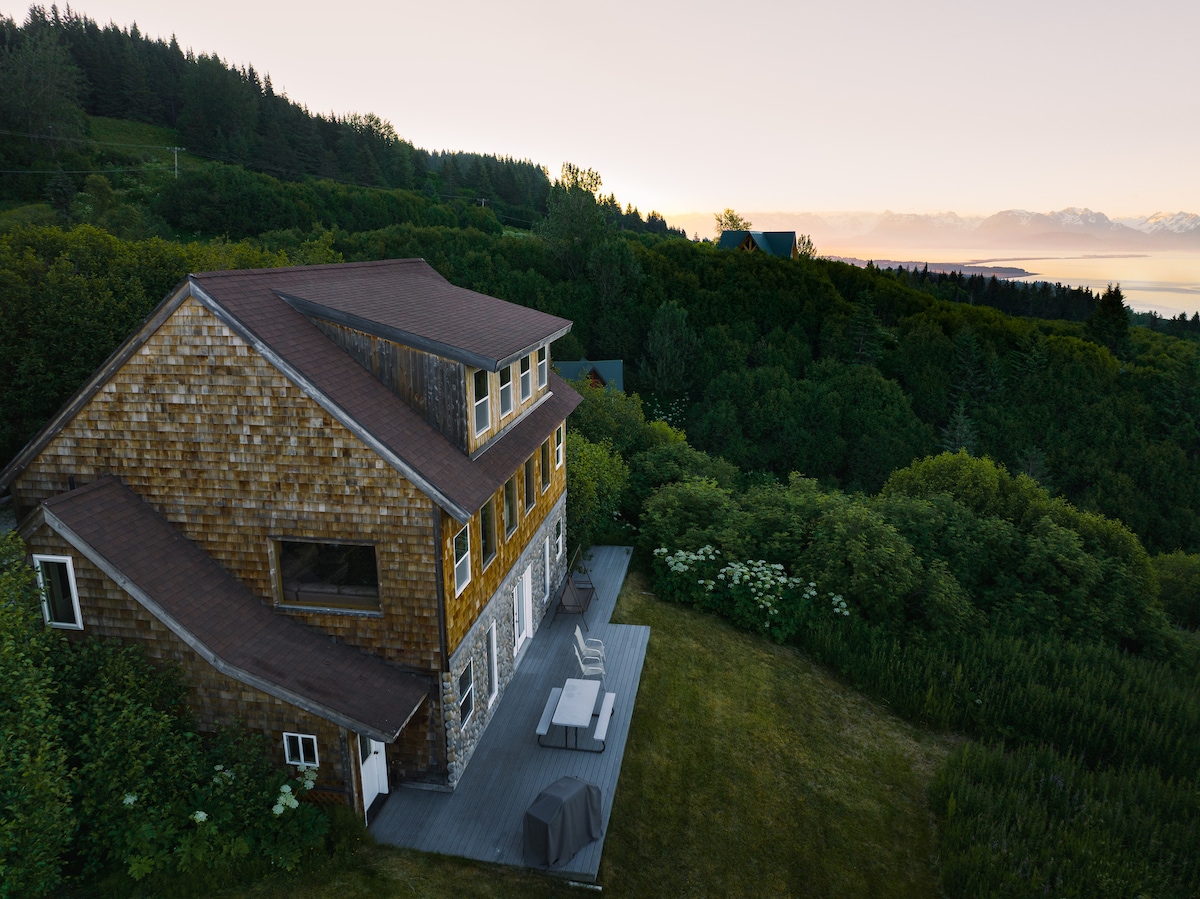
[(755, 594)]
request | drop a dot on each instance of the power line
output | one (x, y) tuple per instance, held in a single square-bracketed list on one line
[(137, 168)]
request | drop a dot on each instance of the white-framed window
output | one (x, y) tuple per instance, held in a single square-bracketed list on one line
[(60, 598), (526, 379), (483, 412), (558, 447), (466, 692), (493, 665), (530, 478), (300, 750), (545, 466), (462, 560), (510, 506), (506, 404), (542, 367), (558, 537)]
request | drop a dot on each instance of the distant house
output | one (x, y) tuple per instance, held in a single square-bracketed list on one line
[(335, 495), (773, 243), (608, 373)]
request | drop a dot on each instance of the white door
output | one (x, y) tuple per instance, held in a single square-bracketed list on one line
[(522, 609), (374, 771)]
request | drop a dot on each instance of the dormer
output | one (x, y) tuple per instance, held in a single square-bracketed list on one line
[(470, 364)]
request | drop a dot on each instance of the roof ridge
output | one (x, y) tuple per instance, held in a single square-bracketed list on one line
[(365, 263)]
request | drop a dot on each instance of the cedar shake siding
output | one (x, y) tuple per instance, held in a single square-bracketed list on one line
[(304, 442)]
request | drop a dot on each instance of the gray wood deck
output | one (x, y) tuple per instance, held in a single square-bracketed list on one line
[(482, 819)]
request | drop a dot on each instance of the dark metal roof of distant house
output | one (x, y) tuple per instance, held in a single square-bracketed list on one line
[(611, 372), (218, 617), (250, 303), (773, 243)]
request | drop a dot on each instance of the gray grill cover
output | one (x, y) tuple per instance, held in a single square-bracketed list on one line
[(562, 820)]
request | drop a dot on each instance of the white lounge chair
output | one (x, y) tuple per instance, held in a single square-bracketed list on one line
[(589, 647), (588, 668)]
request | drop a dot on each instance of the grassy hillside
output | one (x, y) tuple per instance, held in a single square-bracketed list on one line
[(749, 772)]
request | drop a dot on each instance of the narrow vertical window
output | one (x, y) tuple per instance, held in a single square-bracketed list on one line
[(487, 531), (60, 599), (493, 665), (462, 560), (558, 447), (545, 466), (506, 404), (526, 386), (558, 537), (466, 692), (542, 368), (483, 414), (510, 506), (530, 492)]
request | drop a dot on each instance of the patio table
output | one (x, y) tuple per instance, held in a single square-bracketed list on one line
[(576, 705)]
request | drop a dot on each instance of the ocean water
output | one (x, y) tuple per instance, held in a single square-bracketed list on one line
[(1165, 282)]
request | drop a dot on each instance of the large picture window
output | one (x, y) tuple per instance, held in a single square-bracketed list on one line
[(300, 750), (506, 402), (483, 413), (60, 599), (329, 575), (462, 560)]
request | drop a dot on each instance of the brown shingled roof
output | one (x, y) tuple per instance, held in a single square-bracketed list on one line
[(250, 301), (223, 621)]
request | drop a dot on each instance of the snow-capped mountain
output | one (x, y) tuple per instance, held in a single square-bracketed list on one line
[(1168, 222)]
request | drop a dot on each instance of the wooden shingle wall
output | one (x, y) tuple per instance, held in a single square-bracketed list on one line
[(432, 385), (234, 455), (500, 422), (462, 610)]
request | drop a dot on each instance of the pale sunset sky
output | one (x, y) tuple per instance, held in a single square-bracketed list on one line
[(792, 106)]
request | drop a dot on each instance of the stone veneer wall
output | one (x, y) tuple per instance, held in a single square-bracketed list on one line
[(461, 741)]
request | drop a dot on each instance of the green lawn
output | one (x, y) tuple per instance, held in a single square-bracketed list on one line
[(748, 772)]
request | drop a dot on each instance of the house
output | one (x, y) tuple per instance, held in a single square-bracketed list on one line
[(773, 243), (608, 373), (333, 494)]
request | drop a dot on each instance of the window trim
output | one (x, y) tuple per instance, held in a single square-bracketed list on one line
[(526, 379), (542, 367), (38, 559), (483, 401), (466, 696), (493, 661), (558, 447), (458, 563), (506, 409), (300, 741), (530, 484)]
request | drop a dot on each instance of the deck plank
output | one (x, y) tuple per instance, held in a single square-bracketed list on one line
[(482, 819)]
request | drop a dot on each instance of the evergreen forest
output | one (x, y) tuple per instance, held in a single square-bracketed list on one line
[(975, 501)]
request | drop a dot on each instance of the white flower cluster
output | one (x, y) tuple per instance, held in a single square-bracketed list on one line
[(223, 775), (199, 817), (683, 561), (287, 798), (838, 605), (130, 798), (765, 582)]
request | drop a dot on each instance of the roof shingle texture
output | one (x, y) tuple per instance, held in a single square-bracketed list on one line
[(223, 615), (251, 296)]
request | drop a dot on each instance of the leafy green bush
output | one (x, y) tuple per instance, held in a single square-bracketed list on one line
[(595, 478), (1179, 586), (36, 820)]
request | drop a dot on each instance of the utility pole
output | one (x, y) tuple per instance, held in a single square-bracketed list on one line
[(177, 151)]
